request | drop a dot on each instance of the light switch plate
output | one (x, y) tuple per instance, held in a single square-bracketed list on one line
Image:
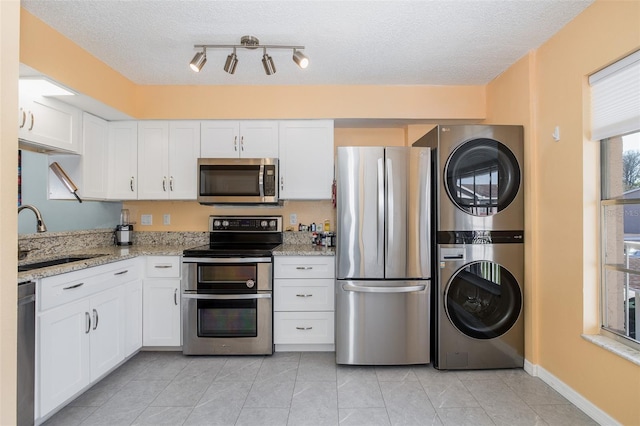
[(293, 219), (146, 219), (166, 219)]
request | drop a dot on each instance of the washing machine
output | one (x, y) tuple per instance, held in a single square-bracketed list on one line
[(479, 321), (477, 177)]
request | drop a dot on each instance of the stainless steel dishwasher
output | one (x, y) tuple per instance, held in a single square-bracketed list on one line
[(26, 352)]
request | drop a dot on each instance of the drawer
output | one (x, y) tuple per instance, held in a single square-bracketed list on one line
[(162, 267), (64, 288), (303, 295), (304, 267), (303, 327)]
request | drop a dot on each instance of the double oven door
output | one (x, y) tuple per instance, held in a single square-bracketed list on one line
[(227, 306)]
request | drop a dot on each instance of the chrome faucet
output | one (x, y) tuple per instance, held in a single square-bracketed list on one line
[(41, 227)]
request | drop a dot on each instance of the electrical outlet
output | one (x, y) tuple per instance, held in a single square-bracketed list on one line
[(166, 219), (293, 219), (146, 219)]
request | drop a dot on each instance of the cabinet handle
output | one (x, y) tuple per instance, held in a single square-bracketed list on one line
[(88, 317), (24, 118), (131, 183), (304, 268), (171, 183), (71, 287), (164, 183), (175, 296), (121, 272), (304, 295), (235, 143), (95, 319), (163, 266), (33, 120), (242, 143), (304, 328)]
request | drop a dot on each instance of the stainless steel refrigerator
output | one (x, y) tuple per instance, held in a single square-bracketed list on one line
[(383, 255)]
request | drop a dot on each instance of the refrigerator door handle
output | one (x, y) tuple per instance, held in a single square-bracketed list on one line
[(377, 289), (380, 232), (391, 219)]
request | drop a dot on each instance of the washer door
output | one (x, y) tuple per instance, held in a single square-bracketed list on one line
[(482, 177), (483, 300)]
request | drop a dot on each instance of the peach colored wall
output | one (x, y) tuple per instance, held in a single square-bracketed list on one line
[(562, 208), (9, 30), (509, 101)]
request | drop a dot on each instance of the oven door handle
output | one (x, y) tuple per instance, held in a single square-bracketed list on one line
[(226, 260), (226, 296)]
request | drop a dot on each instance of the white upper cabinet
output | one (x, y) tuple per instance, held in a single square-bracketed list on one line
[(49, 124), (167, 159), (123, 160), (95, 154), (239, 139), (306, 159)]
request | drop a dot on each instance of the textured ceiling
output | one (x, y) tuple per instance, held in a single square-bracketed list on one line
[(451, 42)]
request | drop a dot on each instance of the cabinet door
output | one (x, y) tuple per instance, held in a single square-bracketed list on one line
[(49, 123), (95, 154), (64, 353), (107, 331), (153, 160), (259, 139), (306, 159), (220, 139), (161, 312), (132, 317), (184, 150), (123, 160)]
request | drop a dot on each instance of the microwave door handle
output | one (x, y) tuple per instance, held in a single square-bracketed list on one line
[(261, 181)]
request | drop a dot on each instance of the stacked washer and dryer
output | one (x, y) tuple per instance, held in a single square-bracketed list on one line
[(478, 254)]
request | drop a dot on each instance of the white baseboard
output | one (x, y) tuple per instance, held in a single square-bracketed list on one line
[(574, 397)]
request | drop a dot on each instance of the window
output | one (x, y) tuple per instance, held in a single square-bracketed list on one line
[(616, 122)]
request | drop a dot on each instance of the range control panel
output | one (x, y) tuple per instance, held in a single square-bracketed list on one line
[(245, 223)]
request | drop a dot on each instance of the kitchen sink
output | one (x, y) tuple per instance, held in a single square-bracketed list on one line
[(54, 262)]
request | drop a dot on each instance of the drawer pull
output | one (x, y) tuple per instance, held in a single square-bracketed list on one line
[(304, 328), (121, 272), (71, 287), (304, 268), (304, 295), (163, 266)]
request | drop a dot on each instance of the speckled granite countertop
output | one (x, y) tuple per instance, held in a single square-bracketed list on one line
[(303, 250), (104, 255)]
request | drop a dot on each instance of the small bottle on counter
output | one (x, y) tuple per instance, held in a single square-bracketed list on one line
[(313, 227), (314, 238), (327, 225)]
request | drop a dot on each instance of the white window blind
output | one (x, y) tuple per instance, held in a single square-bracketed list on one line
[(615, 98)]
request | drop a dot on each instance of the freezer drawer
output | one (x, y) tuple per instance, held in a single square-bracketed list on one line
[(382, 322)]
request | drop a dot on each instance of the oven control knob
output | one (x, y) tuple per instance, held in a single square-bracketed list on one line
[(225, 223), (250, 283), (272, 224), (263, 223), (216, 223)]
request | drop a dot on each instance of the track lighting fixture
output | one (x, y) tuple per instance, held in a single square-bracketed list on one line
[(247, 42), (199, 60)]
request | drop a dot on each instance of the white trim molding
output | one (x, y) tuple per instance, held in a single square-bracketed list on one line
[(574, 397)]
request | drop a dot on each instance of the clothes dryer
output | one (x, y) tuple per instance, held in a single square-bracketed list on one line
[(478, 313), (477, 177)]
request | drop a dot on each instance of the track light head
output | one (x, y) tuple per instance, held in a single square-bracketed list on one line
[(267, 63), (300, 59), (198, 61), (231, 62)]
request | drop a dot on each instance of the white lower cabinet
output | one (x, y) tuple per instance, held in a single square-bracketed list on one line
[(81, 329), (161, 302), (303, 317)]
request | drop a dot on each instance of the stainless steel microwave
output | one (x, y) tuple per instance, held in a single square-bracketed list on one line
[(237, 180)]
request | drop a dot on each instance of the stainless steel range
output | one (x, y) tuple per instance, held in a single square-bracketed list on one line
[(227, 287)]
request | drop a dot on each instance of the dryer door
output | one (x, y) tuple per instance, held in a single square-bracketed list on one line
[(483, 300), (482, 177)]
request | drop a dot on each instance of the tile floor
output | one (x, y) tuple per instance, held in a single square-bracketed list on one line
[(167, 388)]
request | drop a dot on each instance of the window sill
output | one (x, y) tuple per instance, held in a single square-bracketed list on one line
[(617, 348)]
